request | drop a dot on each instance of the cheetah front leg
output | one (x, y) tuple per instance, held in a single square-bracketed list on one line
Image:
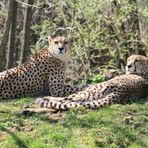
[(60, 90), (64, 90), (70, 89)]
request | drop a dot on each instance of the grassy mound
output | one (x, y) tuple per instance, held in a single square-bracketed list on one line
[(114, 126)]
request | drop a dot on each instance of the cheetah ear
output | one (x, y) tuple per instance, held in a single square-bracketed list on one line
[(49, 39), (71, 40)]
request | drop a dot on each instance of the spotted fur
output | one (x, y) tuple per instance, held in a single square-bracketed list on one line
[(43, 73), (121, 89)]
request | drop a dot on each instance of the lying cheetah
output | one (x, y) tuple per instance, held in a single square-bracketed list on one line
[(44, 72), (132, 85)]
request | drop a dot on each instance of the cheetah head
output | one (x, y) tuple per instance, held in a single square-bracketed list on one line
[(137, 64), (59, 46)]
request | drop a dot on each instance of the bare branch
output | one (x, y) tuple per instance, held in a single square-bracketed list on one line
[(23, 3)]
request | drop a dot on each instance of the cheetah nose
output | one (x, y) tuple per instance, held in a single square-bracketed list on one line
[(129, 66), (61, 48)]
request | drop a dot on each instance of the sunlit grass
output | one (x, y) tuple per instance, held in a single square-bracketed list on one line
[(114, 126)]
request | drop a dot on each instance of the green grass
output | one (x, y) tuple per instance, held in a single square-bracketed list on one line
[(111, 127)]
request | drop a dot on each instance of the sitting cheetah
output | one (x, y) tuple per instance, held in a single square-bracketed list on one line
[(132, 85), (44, 72)]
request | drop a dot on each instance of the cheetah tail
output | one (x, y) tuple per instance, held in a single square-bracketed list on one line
[(94, 104), (43, 103), (107, 100)]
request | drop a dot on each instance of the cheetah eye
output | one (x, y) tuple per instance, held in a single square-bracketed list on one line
[(66, 42), (56, 42), (137, 60)]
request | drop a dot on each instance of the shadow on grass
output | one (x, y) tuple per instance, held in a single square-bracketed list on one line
[(19, 100), (140, 101), (18, 141), (20, 117)]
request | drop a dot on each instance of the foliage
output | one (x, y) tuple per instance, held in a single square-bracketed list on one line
[(106, 32)]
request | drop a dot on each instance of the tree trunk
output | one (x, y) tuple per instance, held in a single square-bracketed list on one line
[(12, 37), (26, 32), (3, 46)]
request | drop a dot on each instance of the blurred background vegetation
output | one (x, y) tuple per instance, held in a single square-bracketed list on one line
[(106, 33)]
